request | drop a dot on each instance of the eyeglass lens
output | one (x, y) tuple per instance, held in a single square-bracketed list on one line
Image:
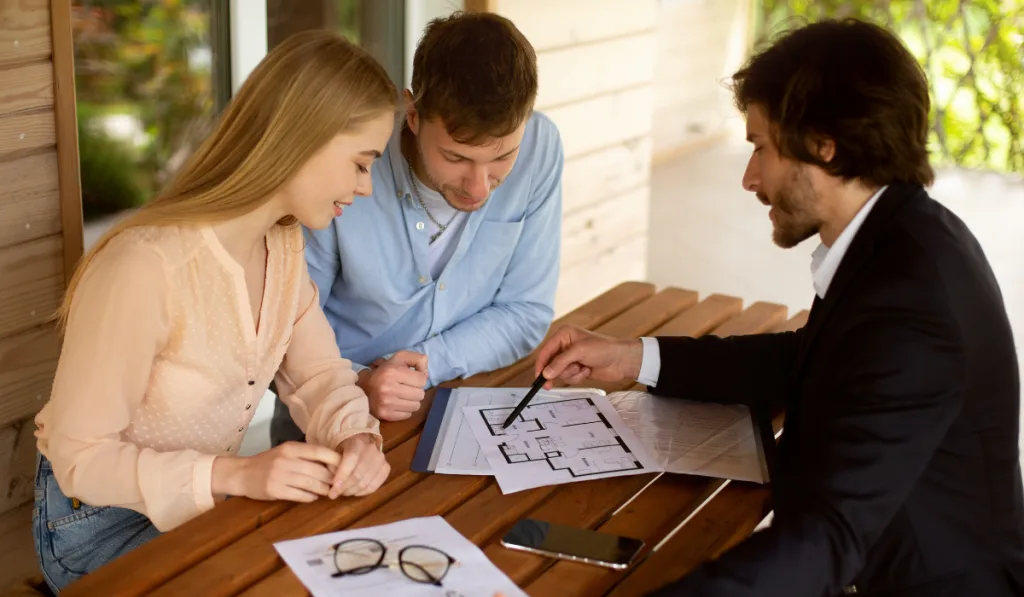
[(424, 564), (358, 556)]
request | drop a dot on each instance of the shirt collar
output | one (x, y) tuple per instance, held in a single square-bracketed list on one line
[(825, 260), (399, 166)]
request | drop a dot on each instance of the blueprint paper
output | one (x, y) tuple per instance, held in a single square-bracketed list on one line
[(460, 451), (564, 440), (473, 575)]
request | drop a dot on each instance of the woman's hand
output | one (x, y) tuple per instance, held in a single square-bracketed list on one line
[(293, 471), (363, 468)]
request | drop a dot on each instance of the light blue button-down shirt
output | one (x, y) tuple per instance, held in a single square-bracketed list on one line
[(494, 300)]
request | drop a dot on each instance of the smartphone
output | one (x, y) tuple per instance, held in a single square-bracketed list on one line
[(571, 543)]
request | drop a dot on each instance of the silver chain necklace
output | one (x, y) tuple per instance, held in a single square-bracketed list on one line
[(440, 227)]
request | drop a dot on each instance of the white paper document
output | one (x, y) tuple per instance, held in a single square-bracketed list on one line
[(312, 559), (695, 438), (576, 437), (460, 451)]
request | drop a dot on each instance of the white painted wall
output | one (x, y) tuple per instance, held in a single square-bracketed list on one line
[(417, 14), (248, 20)]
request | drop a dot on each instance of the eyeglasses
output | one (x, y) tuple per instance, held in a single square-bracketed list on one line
[(417, 562)]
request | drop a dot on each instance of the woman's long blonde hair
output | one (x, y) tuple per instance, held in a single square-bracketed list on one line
[(309, 88)]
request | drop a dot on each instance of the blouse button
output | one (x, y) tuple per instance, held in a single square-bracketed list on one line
[(248, 406), (240, 429), (252, 382)]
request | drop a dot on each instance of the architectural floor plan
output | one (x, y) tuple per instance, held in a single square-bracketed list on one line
[(573, 436)]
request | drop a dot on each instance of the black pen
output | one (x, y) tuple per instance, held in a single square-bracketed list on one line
[(537, 385)]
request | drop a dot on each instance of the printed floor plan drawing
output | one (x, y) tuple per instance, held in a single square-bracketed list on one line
[(571, 435)]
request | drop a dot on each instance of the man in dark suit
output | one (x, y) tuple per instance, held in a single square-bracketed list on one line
[(897, 473)]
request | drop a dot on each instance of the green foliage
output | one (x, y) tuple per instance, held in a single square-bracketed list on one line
[(108, 171), (973, 54), (138, 57)]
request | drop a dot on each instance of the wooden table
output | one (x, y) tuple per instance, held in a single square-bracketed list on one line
[(684, 520)]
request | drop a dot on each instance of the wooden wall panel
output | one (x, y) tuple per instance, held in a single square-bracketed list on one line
[(24, 31), (29, 199), (579, 72), (33, 283), (605, 120), (605, 173), (584, 281), (26, 87), (17, 464), (26, 132), (558, 23), (605, 225), (40, 233), (699, 46), (27, 364)]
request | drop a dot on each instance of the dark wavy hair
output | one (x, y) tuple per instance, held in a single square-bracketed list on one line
[(849, 81)]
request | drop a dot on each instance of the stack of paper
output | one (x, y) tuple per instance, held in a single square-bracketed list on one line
[(574, 435)]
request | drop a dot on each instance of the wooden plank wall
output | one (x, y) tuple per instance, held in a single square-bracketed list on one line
[(700, 44), (40, 238), (596, 64)]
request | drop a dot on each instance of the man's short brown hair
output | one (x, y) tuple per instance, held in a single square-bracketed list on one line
[(477, 73), (849, 81)]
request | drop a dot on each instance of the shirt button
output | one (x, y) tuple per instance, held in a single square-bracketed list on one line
[(229, 448), (252, 383), (423, 279), (241, 429), (248, 406), (419, 225), (399, 194), (440, 286)]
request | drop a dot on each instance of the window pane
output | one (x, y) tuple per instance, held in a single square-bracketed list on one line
[(285, 17), (377, 25), (145, 91)]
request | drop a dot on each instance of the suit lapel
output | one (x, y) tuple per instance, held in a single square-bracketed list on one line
[(857, 254)]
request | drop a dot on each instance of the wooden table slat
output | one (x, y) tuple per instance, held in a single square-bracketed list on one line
[(759, 316), (646, 517), (703, 317), (795, 322)]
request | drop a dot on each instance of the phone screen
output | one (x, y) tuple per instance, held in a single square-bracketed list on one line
[(572, 543)]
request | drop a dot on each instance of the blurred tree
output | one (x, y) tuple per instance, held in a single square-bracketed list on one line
[(973, 54), (148, 61)]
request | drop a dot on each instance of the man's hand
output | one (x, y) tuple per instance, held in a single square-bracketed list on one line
[(362, 470), (573, 355), (395, 390)]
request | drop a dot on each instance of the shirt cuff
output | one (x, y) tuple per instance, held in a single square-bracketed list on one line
[(650, 367), (202, 482)]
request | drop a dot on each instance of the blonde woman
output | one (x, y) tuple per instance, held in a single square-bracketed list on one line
[(178, 319)]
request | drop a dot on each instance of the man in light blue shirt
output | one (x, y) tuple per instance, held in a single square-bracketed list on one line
[(450, 267)]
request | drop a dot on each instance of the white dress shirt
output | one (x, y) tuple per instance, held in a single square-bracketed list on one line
[(824, 264)]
